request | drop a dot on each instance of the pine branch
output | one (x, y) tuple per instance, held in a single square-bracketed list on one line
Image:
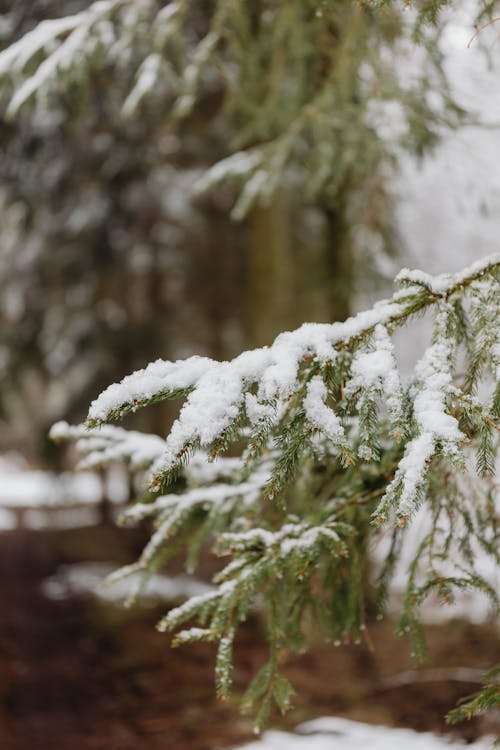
[(485, 700), (323, 422), (204, 418)]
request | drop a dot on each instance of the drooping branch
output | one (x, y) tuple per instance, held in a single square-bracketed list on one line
[(322, 421)]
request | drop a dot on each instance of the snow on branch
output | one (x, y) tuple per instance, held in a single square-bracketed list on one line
[(264, 549), (322, 423), (61, 38), (430, 391), (318, 413), (156, 382), (108, 32), (444, 284), (294, 370), (203, 497), (110, 445), (292, 539)]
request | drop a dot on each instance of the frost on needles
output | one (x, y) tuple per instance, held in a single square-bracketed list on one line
[(330, 451)]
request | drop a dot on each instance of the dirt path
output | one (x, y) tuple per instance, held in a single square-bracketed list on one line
[(78, 675)]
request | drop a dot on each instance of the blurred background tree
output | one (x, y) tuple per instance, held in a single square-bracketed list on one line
[(192, 176)]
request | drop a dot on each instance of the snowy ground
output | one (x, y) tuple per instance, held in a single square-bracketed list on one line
[(89, 579), (41, 499), (331, 733)]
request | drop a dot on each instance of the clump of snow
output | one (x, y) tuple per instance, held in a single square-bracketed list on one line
[(412, 469), (432, 385), (200, 471), (369, 367), (291, 536), (298, 539), (236, 165), (157, 378), (183, 611), (377, 369), (443, 283), (318, 413), (333, 733), (216, 494), (433, 380), (21, 52)]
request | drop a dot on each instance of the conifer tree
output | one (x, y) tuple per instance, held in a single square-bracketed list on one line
[(297, 113), (330, 450), (302, 97)]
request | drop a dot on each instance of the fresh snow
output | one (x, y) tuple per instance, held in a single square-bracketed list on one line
[(432, 384), (442, 283), (21, 52), (377, 368), (306, 537), (147, 76), (218, 396), (318, 413), (290, 538), (59, 59), (184, 611), (157, 378), (236, 165), (412, 470), (201, 471), (216, 494)]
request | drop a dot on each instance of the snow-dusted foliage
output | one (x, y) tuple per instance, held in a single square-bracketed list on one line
[(332, 448), (147, 98), (182, 50), (110, 445)]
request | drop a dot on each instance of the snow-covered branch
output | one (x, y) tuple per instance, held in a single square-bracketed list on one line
[(62, 39), (221, 396), (110, 445), (329, 441)]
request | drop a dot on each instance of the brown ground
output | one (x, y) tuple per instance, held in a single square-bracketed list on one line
[(79, 675)]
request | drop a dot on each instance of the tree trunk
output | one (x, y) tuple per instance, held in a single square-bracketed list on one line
[(299, 268)]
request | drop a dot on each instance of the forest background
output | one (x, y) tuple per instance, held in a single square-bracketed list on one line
[(111, 255)]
